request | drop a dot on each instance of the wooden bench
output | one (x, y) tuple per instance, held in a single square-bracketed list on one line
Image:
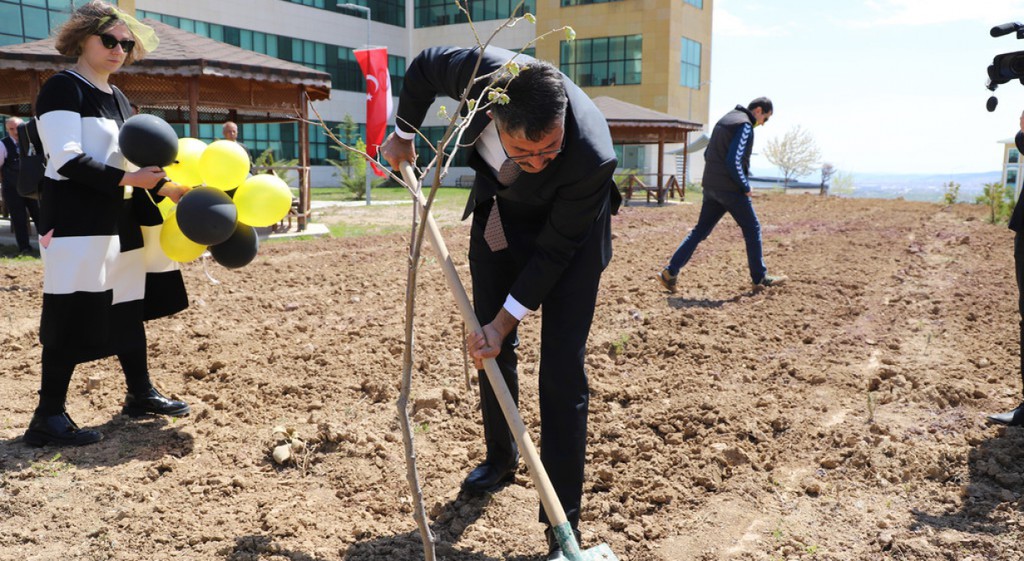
[(660, 193)]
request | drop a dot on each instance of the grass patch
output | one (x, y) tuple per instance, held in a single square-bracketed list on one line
[(9, 253), (382, 194)]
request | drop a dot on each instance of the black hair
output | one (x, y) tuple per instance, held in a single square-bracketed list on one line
[(763, 102), (537, 100)]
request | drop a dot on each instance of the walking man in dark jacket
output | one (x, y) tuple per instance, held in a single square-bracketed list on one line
[(726, 189)]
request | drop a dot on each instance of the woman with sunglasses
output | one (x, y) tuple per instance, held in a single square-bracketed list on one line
[(104, 272)]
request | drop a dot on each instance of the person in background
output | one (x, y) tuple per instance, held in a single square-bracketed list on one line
[(104, 272), (727, 189), (1015, 417), (230, 132), (20, 208)]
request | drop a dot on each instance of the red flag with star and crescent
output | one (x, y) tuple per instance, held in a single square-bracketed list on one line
[(379, 103)]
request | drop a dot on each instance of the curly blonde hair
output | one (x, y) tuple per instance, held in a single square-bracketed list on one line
[(93, 18)]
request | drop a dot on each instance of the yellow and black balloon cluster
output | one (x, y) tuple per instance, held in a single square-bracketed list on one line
[(207, 217)]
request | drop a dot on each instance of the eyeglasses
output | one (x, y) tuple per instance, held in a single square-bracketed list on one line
[(111, 42), (535, 154)]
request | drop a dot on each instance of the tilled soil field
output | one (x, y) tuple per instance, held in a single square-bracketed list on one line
[(838, 417)]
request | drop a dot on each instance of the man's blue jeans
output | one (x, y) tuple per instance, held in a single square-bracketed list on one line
[(716, 204)]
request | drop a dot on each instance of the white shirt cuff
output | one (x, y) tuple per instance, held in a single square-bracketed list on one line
[(404, 135), (513, 307)]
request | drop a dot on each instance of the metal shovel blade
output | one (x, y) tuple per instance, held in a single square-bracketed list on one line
[(571, 549)]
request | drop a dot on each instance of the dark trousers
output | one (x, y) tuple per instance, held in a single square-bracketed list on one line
[(1018, 261), (567, 313), (20, 209), (716, 204)]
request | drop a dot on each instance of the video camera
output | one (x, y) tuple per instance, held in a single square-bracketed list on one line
[(1007, 66)]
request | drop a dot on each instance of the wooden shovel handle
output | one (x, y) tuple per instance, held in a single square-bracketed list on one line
[(548, 498)]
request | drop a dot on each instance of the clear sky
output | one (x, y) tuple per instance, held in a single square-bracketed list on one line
[(884, 86)]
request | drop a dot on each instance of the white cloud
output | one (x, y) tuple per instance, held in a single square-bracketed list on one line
[(725, 24), (931, 12)]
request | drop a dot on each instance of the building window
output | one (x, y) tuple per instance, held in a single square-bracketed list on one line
[(1011, 177), (22, 21), (632, 157), (339, 62), (430, 13), (425, 148), (689, 65), (698, 3), (391, 12), (1014, 156), (283, 138), (604, 61), (582, 2)]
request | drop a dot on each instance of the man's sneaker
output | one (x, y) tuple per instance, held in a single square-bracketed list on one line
[(770, 280), (668, 280)]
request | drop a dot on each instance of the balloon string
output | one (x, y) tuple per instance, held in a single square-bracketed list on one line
[(207, 271)]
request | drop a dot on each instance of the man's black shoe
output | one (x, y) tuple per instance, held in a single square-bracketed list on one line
[(58, 429), (487, 477), (154, 403), (554, 549), (1013, 418)]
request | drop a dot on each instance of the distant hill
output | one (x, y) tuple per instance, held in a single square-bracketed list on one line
[(920, 187), (911, 187)]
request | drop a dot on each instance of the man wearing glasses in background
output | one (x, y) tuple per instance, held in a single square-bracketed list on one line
[(541, 204)]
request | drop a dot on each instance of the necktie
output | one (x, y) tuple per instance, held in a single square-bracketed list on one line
[(494, 234), (509, 172)]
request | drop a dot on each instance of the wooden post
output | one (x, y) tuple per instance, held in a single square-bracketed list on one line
[(304, 202), (193, 107), (661, 166), (686, 161)]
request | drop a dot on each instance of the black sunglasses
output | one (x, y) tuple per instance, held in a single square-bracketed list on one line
[(110, 42)]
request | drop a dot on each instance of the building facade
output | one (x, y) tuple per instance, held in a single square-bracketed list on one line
[(653, 53)]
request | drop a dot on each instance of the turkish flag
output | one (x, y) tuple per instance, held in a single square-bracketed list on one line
[(379, 103)]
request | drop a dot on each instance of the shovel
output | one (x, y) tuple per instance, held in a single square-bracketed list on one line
[(548, 498)]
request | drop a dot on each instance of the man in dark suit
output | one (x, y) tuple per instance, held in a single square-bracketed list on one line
[(541, 205), (20, 208), (1015, 417)]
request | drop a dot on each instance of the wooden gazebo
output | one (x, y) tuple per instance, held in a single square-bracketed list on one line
[(188, 79), (633, 124)]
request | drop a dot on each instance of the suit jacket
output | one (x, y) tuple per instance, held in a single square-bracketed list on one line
[(560, 206), (1017, 218)]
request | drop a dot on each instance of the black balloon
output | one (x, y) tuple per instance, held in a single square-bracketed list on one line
[(238, 250), (147, 140), (207, 216)]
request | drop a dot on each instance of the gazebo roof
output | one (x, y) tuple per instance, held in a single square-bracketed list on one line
[(253, 86), (631, 123)]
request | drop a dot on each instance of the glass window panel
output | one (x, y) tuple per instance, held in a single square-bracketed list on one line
[(1011, 177), (245, 39), (259, 42), (634, 46), (57, 18), (36, 3), (37, 23), (202, 29), (617, 47), (1014, 156), (10, 20)]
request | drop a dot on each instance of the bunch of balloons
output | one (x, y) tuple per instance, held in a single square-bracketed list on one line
[(207, 217)]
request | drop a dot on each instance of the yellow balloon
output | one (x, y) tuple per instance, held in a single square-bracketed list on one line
[(166, 206), (224, 165), (174, 243), (263, 200), (185, 169)]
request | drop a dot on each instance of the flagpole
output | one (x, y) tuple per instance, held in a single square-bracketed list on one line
[(367, 8)]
